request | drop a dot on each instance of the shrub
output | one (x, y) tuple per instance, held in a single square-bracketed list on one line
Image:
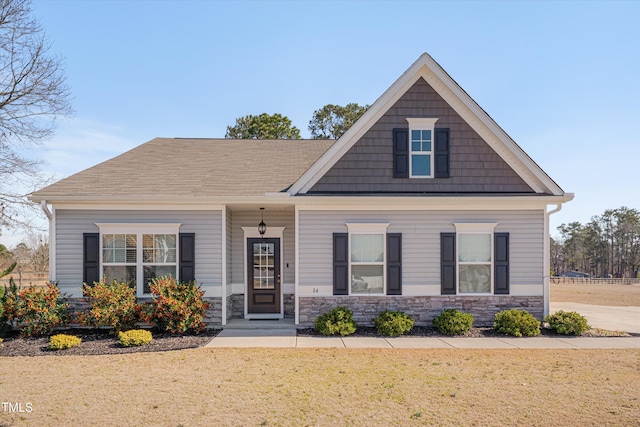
[(62, 341), (37, 310), (134, 337), (567, 323), (2, 299), (110, 304), (338, 321), (393, 323), (177, 307), (453, 322), (5, 327), (517, 323)]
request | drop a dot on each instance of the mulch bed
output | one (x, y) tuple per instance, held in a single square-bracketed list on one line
[(423, 331), (100, 341)]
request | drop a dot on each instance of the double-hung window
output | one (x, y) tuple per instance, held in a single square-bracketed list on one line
[(421, 147), (138, 253), (475, 257), (367, 255)]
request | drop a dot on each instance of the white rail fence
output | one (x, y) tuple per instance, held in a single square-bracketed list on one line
[(26, 278), (593, 281)]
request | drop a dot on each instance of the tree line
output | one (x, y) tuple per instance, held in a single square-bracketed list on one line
[(329, 122), (607, 246)]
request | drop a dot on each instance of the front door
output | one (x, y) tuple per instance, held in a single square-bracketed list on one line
[(263, 271)]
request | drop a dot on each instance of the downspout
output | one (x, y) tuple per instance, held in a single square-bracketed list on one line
[(547, 262), (52, 240), (45, 209)]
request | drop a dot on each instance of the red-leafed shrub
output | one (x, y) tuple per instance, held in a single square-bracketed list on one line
[(36, 310), (110, 304), (177, 307)]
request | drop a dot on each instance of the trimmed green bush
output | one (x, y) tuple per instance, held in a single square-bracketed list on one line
[(110, 304), (338, 321), (134, 337), (177, 307), (517, 323), (62, 342), (393, 323), (567, 323), (453, 322)]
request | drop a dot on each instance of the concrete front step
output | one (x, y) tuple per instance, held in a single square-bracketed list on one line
[(286, 323)]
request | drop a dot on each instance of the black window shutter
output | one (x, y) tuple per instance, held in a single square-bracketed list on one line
[(441, 153), (448, 263), (501, 263), (401, 153), (187, 267), (394, 264), (90, 258), (340, 263)]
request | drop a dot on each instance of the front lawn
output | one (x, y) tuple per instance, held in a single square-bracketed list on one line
[(253, 387)]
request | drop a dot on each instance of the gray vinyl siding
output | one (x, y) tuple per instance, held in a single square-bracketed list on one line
[(71, 224), (368, 165), (241, 219), (421, 244)]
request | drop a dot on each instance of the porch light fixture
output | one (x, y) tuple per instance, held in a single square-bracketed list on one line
[(262, 227)]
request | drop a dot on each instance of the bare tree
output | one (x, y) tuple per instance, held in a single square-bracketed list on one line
[(33, 94), (38, 245)]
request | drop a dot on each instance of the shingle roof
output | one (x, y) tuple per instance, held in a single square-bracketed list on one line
[(169, 167)]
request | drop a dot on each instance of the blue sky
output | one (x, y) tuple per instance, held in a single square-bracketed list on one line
[(561, 78)]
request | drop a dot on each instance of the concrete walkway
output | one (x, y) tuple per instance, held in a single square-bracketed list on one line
[(288, 338), (282, 333)]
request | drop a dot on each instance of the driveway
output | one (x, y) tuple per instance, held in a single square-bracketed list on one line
[(625, 319)]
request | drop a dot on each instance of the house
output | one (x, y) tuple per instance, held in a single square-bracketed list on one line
[(424, 204)]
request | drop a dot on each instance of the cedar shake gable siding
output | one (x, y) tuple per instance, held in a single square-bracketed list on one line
[(368, 166), (194, 168)]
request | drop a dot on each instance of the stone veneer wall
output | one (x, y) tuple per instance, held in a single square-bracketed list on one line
[(235, 306), (289, 301), (422, 309), (213, 315)]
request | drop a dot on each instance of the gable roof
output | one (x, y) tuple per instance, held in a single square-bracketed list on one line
[(428, 69), (197, 168)]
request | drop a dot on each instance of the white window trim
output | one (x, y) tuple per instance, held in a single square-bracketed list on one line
[(475, 228), (422, 123), (369, 228), (138, 230)]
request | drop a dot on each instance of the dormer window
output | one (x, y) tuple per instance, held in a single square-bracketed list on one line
[(421, 150), (421, 146)]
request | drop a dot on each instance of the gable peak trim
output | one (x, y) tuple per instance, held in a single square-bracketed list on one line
[(429, 70)]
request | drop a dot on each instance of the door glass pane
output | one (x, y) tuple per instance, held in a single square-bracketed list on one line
[(263, 266), (475, 278), (367, 279)]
